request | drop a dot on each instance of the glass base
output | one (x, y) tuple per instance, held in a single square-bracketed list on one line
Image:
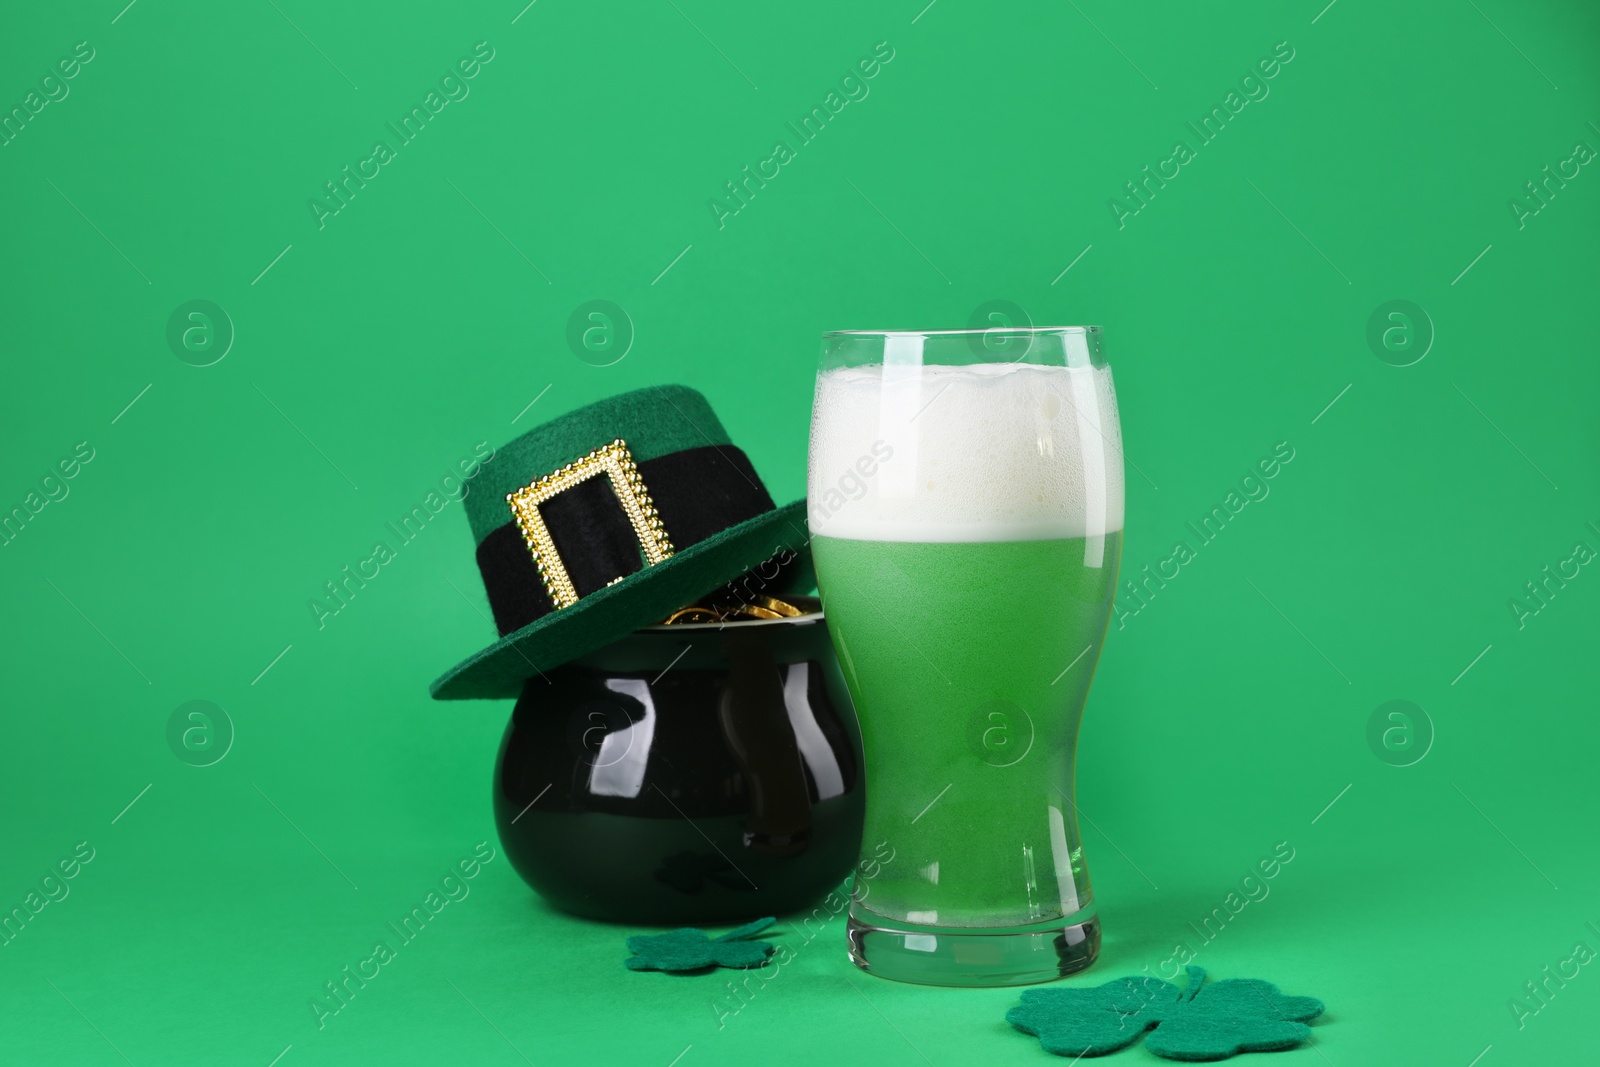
[(973, 956)]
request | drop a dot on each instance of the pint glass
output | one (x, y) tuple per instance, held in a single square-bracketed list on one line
[(965, 504)]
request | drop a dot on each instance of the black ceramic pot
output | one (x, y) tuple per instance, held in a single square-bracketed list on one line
[(687, 774)]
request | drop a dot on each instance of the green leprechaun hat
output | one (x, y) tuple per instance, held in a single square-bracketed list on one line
[(610, 518)]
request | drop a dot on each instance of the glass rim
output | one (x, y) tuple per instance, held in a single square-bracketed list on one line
[(979, 332)]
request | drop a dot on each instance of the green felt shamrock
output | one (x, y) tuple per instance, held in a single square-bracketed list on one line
[(691, 950), (1236, 1015)]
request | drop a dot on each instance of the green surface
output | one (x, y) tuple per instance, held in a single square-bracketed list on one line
[(968, 663), (1229, 713)]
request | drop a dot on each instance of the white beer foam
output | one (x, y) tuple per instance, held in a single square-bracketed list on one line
[(989, 452)]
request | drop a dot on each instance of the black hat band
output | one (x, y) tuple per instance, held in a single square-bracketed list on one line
[(696, 492)]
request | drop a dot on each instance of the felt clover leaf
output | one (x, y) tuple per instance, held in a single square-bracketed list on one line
[(691, 950), (1091, 1022), (1228, 1017)]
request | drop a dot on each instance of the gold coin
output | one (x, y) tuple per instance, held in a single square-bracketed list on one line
[(691, 614), (783, 609)]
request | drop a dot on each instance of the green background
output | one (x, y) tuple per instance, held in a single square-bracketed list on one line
[(371, 355)]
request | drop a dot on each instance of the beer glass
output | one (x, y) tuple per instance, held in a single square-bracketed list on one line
[(965, 503)]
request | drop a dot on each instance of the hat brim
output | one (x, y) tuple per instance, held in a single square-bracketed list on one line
[(612, 613)]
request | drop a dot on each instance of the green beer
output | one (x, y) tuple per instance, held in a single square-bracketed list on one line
[(966, 520), (969, 664)]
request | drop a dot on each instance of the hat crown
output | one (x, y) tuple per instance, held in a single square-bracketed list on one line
[(654, 421), (613, 517)]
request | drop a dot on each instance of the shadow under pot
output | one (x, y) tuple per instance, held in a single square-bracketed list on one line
[(699, 773)]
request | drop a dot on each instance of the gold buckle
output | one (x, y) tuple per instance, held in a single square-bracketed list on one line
[(614, 461)]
